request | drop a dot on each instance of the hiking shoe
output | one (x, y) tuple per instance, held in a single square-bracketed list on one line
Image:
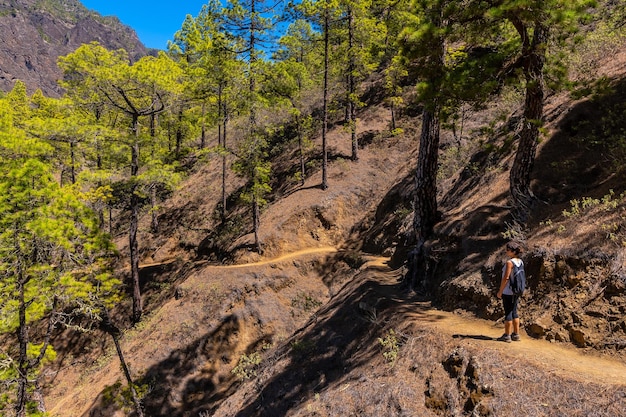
[(504, 338), (515, 337)]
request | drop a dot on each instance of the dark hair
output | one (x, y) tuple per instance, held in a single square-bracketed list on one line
[(514, 247)]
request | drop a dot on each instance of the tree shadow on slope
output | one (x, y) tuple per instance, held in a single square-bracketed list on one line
[(187, 381), (391, 214), (584, 155), (340, 338), (158, 285)]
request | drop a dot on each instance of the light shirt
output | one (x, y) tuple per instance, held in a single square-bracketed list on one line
[(507, 289)]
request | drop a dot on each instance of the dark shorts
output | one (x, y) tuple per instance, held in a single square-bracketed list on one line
[(509, 302)]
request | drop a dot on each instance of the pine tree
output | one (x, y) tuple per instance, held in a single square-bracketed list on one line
[(294, 74), (247, 21), (360, 32), (51, 253), (446, 78), (323, 14), (214, 73), (136, 92), (535, 22)]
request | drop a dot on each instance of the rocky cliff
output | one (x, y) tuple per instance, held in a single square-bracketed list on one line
[(34, 33)]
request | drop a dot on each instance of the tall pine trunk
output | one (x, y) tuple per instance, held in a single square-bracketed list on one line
[(301, 151), (224, 163), (425, 216), (533, 62), (22, 337), (134, 225), (203, 127), (425, 203), (256, 220), (107, 326), (179, 132), (426, 176), (154, 217), (352, 87), (325, 102), (72, 162)]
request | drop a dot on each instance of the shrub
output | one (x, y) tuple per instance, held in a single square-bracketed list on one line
[(390, 346), (247, 366)]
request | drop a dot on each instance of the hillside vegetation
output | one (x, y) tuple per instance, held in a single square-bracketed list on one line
[(273, 273)]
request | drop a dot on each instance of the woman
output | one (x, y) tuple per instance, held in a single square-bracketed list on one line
[(509, 299)]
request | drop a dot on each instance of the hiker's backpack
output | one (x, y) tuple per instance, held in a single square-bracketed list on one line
[(517, 280)]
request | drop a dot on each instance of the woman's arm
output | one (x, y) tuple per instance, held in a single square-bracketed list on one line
[(505, 277)]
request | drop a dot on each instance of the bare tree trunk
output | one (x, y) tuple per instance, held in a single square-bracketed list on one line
[(134, 227), (352, 88), (108, 326), (203, 127), (22, 337), (256, 220), (325, 102), (101, 221), (179, 132), (519, 176), (72, 163), (224, 164), (154, 220), (425, 203), (426, 177), (134, 257), (153, 125), (300, 146)]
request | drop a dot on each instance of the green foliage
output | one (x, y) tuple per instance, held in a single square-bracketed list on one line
[(608, 202), (51, 251), (253, 165), (583, 209), (305, 302), (390, 345), (247, 366), (454, 158), (608, 131), (514, 231), (353, 258), (604, 40), (302, 347), (121, 395)]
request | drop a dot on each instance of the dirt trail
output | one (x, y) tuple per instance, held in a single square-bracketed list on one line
[(286, 257), (559, 359), (556, 358)]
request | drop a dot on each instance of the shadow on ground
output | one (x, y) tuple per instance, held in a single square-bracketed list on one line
[(339, 337)]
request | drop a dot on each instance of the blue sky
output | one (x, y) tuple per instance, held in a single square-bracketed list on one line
[(155, 21)]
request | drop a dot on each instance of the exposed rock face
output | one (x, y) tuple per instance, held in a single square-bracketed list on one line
[(33, 34)]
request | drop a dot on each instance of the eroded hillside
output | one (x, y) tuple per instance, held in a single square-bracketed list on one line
[(330, 330)]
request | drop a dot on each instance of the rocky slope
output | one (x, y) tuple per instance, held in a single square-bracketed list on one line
[(328, 334), (35, 33), (331, 331)]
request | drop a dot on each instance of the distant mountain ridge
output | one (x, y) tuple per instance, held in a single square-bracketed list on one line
[(34, 33)]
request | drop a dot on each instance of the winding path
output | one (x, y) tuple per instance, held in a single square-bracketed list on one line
[(555, 358)]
